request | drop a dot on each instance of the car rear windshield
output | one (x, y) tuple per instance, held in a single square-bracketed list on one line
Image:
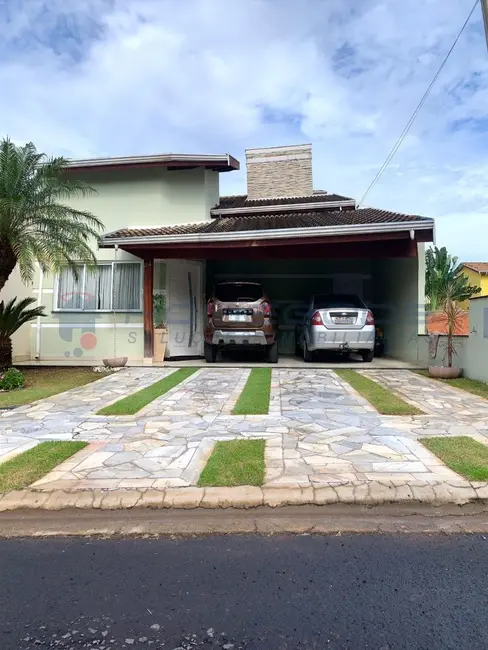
[(238, 292), (338, 301)]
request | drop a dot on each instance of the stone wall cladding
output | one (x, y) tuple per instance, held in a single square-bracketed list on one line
[(279, 172)]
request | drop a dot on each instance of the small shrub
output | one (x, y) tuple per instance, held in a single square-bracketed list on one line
[(11, 379)]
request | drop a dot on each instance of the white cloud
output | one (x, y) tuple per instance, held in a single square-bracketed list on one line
[(103, 77)]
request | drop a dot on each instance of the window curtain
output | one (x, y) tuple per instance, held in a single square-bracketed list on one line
[(127, 286), (98, 288), (70, 289)]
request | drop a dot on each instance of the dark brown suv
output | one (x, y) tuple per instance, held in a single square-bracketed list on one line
[(239, 315)]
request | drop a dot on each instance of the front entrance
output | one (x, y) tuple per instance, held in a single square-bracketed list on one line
[(185, 308)]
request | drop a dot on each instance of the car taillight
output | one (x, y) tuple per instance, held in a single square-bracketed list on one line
[(266, 309), (369, 318), (210, 309), (317, 319)]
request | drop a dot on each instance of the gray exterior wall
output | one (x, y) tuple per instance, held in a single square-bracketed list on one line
[(476, 362)]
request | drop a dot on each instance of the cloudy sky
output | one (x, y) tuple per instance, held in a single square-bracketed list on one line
[(117, 77)]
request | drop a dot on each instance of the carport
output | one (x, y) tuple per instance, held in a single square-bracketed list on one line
[(374, 253)]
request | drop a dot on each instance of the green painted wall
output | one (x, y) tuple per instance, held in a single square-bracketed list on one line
[(148, 197), (398, 308)]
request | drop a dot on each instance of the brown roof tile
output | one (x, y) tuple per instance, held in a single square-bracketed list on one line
[(478, 267), (272, 222), (241, 201)]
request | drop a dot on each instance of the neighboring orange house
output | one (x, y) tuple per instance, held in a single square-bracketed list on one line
[(437, 323)]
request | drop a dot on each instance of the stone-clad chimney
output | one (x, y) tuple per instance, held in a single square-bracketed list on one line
[(279, 171)]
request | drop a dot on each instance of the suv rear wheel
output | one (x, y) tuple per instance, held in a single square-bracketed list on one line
[(210, 352), (272, 352)]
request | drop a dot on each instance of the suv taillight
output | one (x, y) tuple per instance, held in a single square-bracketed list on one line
[(210, 309), (266, 309), (369, 318), (317, 319)]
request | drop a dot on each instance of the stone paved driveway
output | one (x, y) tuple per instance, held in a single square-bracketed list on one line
[(318, 431)]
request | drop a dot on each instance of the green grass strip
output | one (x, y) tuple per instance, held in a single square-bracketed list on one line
[(135, 402), (44, 382), (234, 462), (254, 399), (474, 386), (384, 401), (462, 454), (24, 469)]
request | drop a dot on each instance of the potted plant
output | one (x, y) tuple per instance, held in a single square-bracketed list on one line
[(452, 314), (160, 327)]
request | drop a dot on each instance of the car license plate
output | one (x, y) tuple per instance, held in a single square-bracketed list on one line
[(344, 320), (240, 318)]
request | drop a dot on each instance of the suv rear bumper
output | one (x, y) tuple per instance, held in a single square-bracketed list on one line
[(239, 337)]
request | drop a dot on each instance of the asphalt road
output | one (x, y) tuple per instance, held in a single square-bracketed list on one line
[(252, 592)]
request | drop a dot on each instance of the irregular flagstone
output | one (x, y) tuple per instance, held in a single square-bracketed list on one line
[(318, 431)]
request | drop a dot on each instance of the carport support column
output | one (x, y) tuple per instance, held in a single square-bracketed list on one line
[(148, 311)]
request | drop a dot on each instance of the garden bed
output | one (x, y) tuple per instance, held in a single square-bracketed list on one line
[(46, 381)]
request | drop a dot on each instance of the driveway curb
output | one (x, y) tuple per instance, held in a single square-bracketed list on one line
[(457, 492)]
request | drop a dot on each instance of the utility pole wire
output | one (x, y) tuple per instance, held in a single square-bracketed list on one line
[(403, 134), (484, 8)]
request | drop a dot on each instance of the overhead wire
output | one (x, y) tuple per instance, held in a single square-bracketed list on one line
[(417, 110)]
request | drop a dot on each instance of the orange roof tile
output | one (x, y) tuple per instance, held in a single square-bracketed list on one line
[(437, 323), (478, 267)]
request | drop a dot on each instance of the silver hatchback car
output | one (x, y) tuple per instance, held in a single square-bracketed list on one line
[(337, 322)]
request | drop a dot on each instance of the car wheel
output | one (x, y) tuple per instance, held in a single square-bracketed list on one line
[(307, 355), (272, 353), (210, 352), (367, 355), (298, 347)]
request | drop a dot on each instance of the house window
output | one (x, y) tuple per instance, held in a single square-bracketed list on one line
[(106, 287)]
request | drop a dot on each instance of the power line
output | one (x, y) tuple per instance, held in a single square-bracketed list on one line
[(403, 134)]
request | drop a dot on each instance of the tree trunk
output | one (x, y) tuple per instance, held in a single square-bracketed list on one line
[(5, 352), (8, 261)]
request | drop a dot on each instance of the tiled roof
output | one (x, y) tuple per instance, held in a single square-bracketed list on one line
[(273, 222), (241, 201), (478, 267), (437, 323)]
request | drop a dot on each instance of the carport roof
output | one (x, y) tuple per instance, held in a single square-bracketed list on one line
[(277, 225)]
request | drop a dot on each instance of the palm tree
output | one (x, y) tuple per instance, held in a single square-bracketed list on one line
[(12, 316), (35, 223), (444, 279)]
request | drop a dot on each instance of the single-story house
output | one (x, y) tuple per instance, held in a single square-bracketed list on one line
[(169, 236)]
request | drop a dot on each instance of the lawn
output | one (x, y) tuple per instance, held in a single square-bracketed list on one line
[(462, 454), (135, 402), (474, 386), (26, 468), (384, 401), (234, 462), (44, 382), (254, 399)]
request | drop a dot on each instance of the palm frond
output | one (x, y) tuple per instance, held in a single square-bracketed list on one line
[(14, 314), (37, 224)]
